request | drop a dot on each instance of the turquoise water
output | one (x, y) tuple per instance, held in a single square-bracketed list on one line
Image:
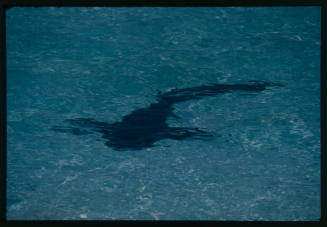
[(263, 162)]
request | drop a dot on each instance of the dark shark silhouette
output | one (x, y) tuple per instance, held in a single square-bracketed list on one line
[(143, 127)]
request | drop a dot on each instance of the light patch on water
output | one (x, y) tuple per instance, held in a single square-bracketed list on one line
[(68, 179), (145, 201), (297, 37), (14, 116), (76, 160), (83, 216), (17, 206), (299, 127), (156, 215)]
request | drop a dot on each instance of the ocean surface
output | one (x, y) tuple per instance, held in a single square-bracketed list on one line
[(80, 81)]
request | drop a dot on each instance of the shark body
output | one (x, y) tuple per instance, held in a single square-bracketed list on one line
[(143, 127)]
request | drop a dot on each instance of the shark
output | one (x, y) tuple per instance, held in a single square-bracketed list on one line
[(143, 127)]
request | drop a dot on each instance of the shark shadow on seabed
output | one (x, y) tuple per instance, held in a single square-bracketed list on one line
[(143, 127)]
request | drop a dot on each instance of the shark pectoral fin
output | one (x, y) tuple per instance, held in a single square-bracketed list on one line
[(204, 136), (188, 133)]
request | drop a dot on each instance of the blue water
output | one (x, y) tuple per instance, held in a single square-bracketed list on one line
[(262, 161)]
